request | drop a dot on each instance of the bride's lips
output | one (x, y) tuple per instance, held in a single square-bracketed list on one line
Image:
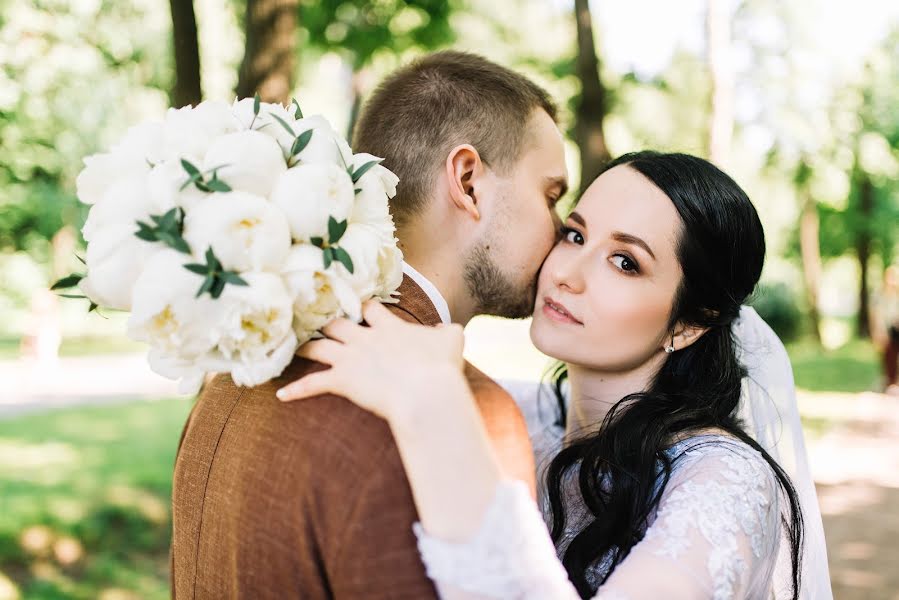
[(557, 312)]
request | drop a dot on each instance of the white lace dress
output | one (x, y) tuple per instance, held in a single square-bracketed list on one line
[(714, 535)]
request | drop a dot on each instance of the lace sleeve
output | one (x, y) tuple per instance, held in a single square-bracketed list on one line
[(715, 536)]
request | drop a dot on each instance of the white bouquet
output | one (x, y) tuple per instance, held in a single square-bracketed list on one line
[(233, 234)]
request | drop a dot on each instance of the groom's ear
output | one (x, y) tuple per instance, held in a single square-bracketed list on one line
[(463, 168)]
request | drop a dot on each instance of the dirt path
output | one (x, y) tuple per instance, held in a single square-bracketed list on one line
[(856, 467)]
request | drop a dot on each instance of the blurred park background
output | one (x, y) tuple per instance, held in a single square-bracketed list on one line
[(797, 99)]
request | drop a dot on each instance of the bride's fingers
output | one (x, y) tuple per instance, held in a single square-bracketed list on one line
[(314, 384), (341, 330), (375, 313), (324, 351)]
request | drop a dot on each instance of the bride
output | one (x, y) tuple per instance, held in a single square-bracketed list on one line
[(652, 487)]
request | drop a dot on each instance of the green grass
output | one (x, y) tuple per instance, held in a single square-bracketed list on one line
[(85, 500), (853, 367)]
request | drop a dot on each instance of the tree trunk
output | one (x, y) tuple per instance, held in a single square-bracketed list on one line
[(187, 89), (591, 107), (809, 244), (269, 61), (863, 252), (721, 123)]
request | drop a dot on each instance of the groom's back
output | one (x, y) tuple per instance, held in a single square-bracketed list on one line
[(305, 499), (309, 499)]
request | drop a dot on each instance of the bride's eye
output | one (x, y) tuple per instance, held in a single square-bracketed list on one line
[(572, 236), (626, 263)]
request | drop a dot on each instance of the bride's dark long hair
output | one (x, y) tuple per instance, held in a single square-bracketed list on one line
[(721, 251)]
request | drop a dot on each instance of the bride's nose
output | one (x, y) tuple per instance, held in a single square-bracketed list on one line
[(567, 274)]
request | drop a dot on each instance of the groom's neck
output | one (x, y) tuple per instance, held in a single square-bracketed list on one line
[(446, 272)]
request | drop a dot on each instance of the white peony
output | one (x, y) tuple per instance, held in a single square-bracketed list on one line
[(250, 161), (310, 194), (124, 204), (246, 232), (319, 294), (129, 160), (376, 187), (255, 335), (390, 271), (190, 131), (325, 145), (115, 259), (165, 183), (363, 244), (188, 373), (166, 312)]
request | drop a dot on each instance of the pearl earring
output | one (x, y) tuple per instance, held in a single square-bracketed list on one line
[(670, 348)]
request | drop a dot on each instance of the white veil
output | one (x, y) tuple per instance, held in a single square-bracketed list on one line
[(771, 415)]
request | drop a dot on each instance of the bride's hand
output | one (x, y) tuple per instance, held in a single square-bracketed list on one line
[(386, 368)]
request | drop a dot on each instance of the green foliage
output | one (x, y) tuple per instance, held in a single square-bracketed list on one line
[(853, 367), (777, 305), (359, 29), (71, 74)]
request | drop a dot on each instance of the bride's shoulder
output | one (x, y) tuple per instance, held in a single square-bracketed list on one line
[(723, 458)]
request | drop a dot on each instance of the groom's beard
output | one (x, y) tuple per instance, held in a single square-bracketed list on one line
[(494, 293)]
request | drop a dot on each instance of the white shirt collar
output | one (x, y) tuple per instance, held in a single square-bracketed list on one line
[(431, 291)]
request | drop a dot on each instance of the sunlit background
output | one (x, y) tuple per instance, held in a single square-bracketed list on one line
[(797, 99)]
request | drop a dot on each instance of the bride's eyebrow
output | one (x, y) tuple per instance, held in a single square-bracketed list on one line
[(632, 239), (577, 218)]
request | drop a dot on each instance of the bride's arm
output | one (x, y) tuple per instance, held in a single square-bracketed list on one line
[(412, 376), (470, 511)]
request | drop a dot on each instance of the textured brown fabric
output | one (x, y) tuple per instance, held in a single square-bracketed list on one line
[(307, 499)]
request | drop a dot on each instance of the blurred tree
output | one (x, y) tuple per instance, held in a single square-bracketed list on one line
[(592, 105), (718, 51), (186, 89), (359, 30), (269, 61)]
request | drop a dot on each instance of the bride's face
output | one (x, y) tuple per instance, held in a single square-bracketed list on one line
[(606, 291)]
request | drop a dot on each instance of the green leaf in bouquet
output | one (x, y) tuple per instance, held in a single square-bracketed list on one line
[(67, 282), (218, 286), (72, 296), (207, 285), (344, 257), (81, 260), (299, 112), (317, 242), (191, 169), (358, 173), (283, 123), (357, 191), (342, 159), (336, 229), (94, 306), (301, 142), (256, 104), (197, 268), (179, 244), (217, 185), (232, 277), (328, 256)]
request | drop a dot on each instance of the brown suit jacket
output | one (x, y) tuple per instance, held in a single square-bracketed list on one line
[(308, 499)]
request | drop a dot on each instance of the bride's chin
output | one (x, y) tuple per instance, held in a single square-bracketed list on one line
[(548, 339)]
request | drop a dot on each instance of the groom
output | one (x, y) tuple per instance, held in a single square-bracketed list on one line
[(310, 500)]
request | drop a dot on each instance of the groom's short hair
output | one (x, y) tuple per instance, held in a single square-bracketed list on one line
[(424, 109)]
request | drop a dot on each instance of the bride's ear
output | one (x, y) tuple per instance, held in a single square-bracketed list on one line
[(463, 168), (685, 336)]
